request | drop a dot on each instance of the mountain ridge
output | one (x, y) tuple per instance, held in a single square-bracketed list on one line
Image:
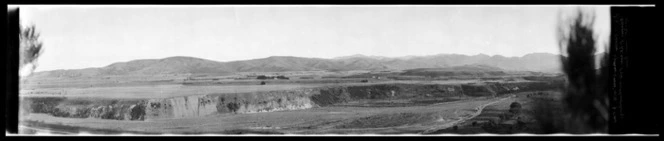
[(542, 62)]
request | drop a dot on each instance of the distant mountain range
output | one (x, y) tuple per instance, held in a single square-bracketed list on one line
[(542, 62), (539, 62)]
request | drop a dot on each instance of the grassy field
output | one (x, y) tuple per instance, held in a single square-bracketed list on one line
[(494, 118), (158, 90), (377, 117), (334, 119), (394, 116)]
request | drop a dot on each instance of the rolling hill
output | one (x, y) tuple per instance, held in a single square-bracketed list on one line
[(542, 62)]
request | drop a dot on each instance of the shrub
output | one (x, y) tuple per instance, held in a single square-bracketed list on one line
[(233, 107), (138, 112), (282, 77), (515, 107)]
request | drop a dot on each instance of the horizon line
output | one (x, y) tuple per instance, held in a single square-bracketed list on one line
[(331, 58)]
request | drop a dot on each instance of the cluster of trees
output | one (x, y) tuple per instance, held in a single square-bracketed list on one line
[(585, 98), (271, 77)]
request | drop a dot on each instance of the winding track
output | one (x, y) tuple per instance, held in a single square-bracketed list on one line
[(462, 119)]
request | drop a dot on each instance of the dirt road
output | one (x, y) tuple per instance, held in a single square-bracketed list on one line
[(462, 119)]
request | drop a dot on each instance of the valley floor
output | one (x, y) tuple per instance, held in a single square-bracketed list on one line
[(174, 90), (362, 109), (494, 120), (322, 120)]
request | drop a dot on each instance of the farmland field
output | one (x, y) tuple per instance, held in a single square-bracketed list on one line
[(299, 106), (334, 119), (155, 91)]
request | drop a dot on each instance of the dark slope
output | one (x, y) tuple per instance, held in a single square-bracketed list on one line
[(465, 70)]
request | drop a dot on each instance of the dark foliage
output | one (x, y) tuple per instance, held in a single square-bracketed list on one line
[(233, 106), (330, 97), (272, 77), (43, 104), (30, 47), (585, 99), (515, 108), (138, 112), (261, 77)]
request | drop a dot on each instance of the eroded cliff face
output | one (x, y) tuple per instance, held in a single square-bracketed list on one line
[(269, 101), (176, 107), (336, 95), (85, 108), (203, 105)]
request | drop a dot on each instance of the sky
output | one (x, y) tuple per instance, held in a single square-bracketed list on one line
[(78, 37)]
